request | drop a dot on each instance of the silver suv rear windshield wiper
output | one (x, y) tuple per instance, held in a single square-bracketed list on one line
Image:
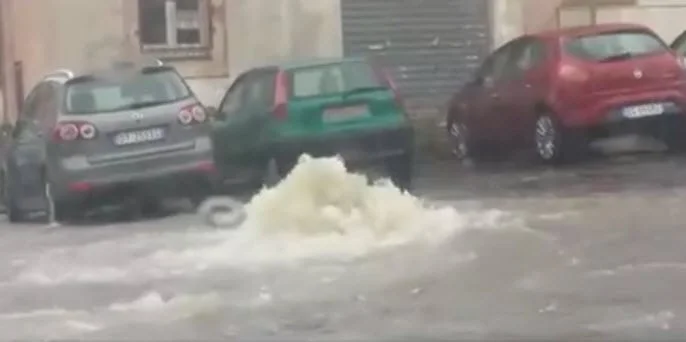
[(138, 105), (618, 57)]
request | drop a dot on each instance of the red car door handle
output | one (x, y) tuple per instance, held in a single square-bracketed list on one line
[(495, 95)]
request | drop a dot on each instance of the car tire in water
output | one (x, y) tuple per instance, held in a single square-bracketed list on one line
[(556, 144), (271, 174), (14, 214), (150, 206), (13, 211), (272, 171), (57, 211), (17, 215), (674, 136), (400, 170), (466, 150), (203, 191), (675, 144), (458, 139)]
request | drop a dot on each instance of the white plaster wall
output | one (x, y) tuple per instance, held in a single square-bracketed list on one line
[(575, 16), (54, 34), (667, 21), (268, 31), (265, 31), (507, 20)]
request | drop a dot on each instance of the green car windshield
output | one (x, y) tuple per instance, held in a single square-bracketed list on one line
[(330, 79)]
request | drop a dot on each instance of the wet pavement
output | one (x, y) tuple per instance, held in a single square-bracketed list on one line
[(591, 251)]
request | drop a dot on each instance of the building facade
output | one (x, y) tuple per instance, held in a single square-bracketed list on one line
[(429, 46)]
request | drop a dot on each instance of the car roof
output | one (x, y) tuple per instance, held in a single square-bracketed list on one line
[(575, 31), (309, 62), (65, 75)]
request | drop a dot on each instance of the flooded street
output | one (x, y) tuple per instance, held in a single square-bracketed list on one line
[(587, 251)]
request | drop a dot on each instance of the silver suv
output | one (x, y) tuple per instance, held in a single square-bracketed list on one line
[(132, 130)]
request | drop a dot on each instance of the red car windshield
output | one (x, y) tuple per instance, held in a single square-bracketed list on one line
[(615, 45)]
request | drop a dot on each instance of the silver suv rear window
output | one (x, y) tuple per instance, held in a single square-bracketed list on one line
[(110, 94), (608, 46)]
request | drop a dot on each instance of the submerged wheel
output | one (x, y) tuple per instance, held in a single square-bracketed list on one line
[(457, 133), (554, 143), (400, 170), (547, 139), (51, 211), (14, 215), (58, 211)]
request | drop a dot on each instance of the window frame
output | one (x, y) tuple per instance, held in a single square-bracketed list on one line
[(513, 70), (66, 90), (27, 120), (487, 76), (32, 102), (679, 44), (241, 83), (172, 50), (49, 107), (245, 81), (341, 70), (497, 65), (267, 75), (570, 40)]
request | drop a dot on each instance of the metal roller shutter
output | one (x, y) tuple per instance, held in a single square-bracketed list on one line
[(430, 46)]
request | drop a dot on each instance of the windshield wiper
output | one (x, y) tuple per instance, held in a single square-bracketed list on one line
[(145, 104), (618, 57), (363, 90)]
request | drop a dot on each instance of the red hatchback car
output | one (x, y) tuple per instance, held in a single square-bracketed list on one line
[(553, 92)]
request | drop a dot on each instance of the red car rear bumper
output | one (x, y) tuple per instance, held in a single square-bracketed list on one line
[(604, 109)]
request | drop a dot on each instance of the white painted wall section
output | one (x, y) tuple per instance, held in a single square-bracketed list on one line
[(667, 21), (507, 20), (266, 31)]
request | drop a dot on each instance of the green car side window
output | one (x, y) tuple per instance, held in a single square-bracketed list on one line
[(234, 100), (679, 44), (260, 93), (681, 48)]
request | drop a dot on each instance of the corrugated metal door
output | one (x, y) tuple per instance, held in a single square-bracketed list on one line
[(430, 46)]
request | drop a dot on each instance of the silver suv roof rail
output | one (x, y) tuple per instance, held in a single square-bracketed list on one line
[(151, 61), (60, 73), (142, 62)]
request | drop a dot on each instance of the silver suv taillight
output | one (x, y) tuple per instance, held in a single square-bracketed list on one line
[(74, 130), (193, 113)]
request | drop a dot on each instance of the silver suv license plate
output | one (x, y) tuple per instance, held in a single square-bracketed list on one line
[(137, 137)]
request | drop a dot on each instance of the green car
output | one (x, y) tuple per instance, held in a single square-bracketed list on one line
[(271, 115)]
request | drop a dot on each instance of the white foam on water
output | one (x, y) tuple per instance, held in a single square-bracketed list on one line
[(38, 314), (81, 326), (155, 302), (45, 324), (320, 211), (661, 320)]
